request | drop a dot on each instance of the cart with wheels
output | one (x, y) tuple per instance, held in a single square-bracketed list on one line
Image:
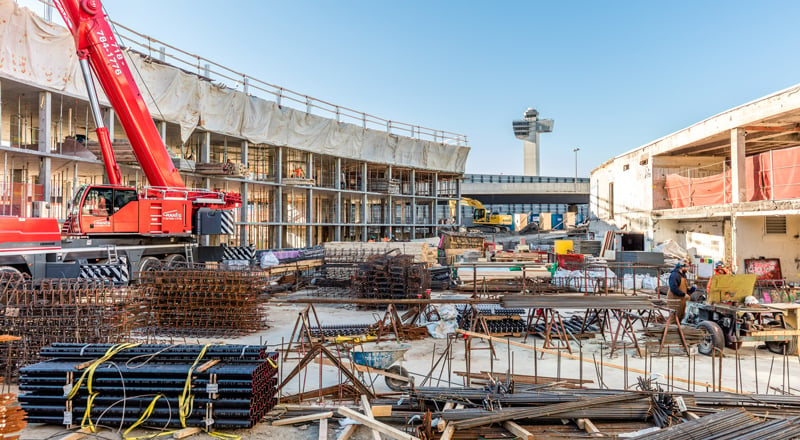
[(380, 358)]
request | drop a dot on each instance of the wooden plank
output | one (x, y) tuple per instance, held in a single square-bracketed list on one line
[(323, 429), (442, 423), (448, 432), (368, 411), (517, 430), (382, 411), (186, 432), (83, 433), (301, 419), (207, 365), (383, 428), (347, 432), (589, 427)]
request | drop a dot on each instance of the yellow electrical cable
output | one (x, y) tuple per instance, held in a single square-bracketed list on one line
[(186, 399), (114, 349), (224, 436), (146, 415)]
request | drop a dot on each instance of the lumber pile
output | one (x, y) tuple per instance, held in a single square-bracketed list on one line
[(358, 252), (123, 151), (386, 186), (222, 169), (12, 417)]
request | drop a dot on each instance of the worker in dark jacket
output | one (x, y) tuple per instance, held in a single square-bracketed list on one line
[(679, 290)]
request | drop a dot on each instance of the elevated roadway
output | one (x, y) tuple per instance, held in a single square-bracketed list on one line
[(498, 188)]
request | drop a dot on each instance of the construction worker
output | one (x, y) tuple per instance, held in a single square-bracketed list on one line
[(679, 290), (720, 269)]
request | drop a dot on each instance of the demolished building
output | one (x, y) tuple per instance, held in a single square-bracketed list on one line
[(728, 186)]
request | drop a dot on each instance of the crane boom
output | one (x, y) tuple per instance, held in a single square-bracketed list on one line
[(96, 43)]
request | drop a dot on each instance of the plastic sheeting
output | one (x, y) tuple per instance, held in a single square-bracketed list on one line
[(43, 54), (774, 175)]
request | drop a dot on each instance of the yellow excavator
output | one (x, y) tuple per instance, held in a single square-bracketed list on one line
[(487, 221)]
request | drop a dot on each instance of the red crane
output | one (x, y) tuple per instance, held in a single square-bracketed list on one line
[(164, 208), (97, 46)]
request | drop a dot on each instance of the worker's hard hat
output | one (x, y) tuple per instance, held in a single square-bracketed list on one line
[(719, 264), (750, 300)]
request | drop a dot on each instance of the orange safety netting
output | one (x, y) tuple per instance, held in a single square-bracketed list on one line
[(768, 176)]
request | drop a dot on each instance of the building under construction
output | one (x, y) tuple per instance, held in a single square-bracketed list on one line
[(308, 171), (727, 186)]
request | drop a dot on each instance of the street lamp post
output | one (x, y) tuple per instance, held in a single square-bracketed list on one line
[(575, 150)]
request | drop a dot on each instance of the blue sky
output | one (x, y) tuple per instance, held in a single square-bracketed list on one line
[(614, 75)]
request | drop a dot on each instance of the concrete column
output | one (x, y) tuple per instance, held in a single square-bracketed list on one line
[(310, 218), (734, 261), (45, 163), (738, 194), (243, 238), (205, 155), (458, 200), (108, 120), (530, 148), (364, 210), (337, 231), (413, 204), (435, 205), (390, 205), (205, 148), (162, 130), (279, 197)]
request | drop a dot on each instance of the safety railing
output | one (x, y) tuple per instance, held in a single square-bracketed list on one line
[(502, 178), (152, 48), (772, 175)]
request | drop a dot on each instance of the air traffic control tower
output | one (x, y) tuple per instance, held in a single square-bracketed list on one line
[(528, 130)]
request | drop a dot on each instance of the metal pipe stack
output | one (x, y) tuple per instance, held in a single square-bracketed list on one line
[(228, 386)]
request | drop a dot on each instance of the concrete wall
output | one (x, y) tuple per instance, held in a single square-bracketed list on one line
[(752, 242), (705, 236), (629, 178)]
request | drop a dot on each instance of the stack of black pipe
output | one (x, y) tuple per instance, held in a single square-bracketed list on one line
[(234, 390)]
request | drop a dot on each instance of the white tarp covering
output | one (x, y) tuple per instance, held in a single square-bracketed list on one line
[(43, 54)]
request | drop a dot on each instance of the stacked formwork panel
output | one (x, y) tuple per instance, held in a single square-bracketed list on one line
[(202, 302), (166, 386)]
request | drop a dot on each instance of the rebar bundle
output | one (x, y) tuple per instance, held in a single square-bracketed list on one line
[(214, 386), (391, 277), (202, 302), (67, 310)]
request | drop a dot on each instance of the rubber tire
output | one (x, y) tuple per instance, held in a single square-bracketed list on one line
[(714, 338), (10, 269), (397, 384), (174, 260), (777, 347), (149, 264), (14, 275)]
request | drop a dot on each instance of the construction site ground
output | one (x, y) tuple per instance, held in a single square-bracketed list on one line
[(751, 369)]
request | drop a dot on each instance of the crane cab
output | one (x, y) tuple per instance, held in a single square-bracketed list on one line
[(119, 210)]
